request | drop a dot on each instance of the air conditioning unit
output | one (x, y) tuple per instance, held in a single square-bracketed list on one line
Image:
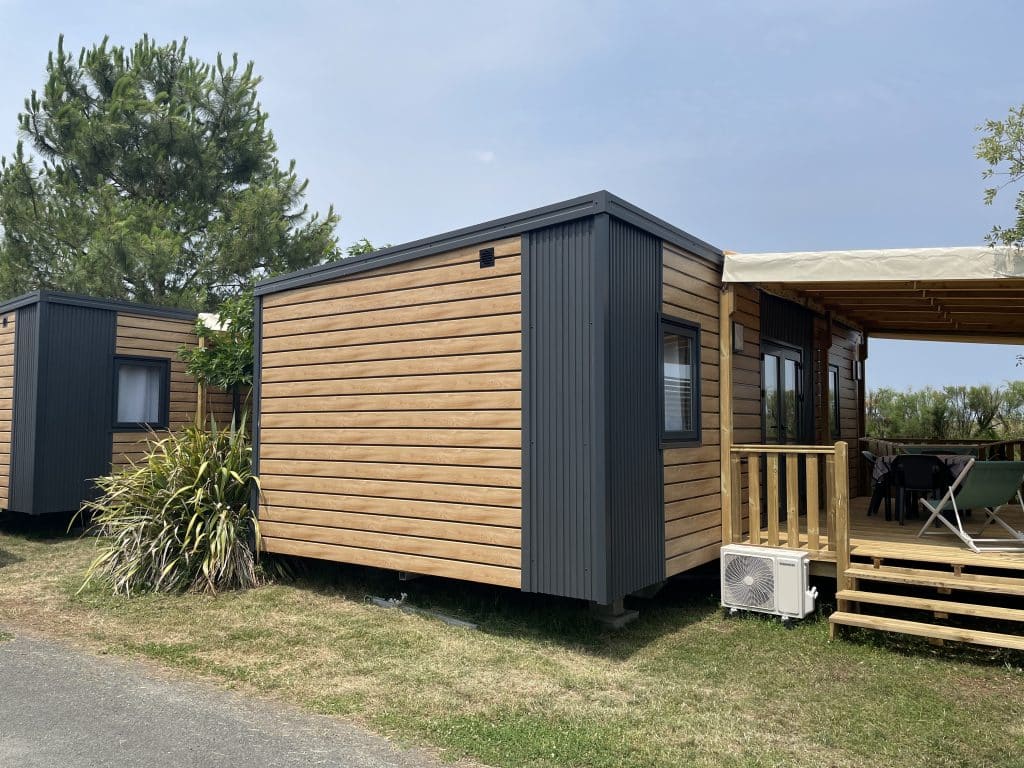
[(767, 580)]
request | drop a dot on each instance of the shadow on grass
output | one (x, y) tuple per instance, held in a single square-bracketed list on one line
[(510, 613), (39, 527)]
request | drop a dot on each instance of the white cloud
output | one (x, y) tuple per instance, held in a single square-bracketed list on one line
[(485, 156)]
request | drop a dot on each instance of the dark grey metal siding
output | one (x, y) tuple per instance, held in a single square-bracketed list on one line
[(75, 385), (788, 323), (593, 526), (564, 533), (23, 430), (636, 518)]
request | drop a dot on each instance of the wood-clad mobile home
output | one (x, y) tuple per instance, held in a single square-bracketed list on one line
[(532, 402), (83, 381)]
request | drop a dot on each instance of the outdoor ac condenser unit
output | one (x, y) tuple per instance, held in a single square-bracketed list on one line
[(767, 580)]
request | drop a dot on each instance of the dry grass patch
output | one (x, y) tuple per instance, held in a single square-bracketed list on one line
[(539, 684)]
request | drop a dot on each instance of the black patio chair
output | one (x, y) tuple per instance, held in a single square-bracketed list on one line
[(917, 475), (880, 487)]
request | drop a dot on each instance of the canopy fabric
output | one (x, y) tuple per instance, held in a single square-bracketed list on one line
[(882, 265), (971, 294)]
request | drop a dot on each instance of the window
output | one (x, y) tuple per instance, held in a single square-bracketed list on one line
[(833, 401), (141, 387), (680, 359)]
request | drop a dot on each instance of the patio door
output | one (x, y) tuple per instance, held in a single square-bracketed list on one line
[(782, 396)]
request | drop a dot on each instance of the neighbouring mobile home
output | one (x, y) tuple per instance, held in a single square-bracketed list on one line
[(83, 382)]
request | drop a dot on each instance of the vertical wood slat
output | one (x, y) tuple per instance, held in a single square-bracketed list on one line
[(729, 485), (735, 500), (773, 499), (842, 520), (792, 501), (811, 479), (830, 501), (754, 499)]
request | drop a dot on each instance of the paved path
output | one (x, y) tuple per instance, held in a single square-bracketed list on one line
[(64, 708)]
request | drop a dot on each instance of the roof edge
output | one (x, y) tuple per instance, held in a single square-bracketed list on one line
[(81, 300), (508, 226)]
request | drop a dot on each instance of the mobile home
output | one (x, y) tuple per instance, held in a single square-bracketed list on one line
[(534, 402), (83, 382)]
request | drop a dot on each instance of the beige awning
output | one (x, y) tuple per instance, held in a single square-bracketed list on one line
[(954, 294), (881, 265)]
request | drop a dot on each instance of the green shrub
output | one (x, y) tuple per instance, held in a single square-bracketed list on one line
[(181, 518)]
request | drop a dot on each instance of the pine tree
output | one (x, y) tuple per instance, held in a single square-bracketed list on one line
[(154, 178)]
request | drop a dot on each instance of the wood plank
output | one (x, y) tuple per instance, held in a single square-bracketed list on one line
[(495, 362), (692, 542), (792, 497), (447, 401), (470, 457), (469, 345), (441, 329), (933, 605), (508, 419), (920, 629), (1000, 585), (458, 494), (418, 313), (418, 473), (754, 497), (387, 542), (497, 286), (772, 501), (407, 526), (486, 574), (691, 560), (813, 507), (477, 514), (452, 438)]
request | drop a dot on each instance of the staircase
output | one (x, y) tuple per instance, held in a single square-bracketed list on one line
[(942, 600)]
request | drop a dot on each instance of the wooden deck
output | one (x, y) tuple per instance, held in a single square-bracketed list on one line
[(874, 537)]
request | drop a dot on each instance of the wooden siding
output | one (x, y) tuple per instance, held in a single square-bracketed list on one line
[(844, 350), (691, 290), (7, 325), (148, 336), (390, 418)]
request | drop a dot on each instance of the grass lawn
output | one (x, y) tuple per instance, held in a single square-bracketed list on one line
[(539, 684)]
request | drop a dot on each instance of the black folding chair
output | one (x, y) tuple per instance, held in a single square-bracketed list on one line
[(880, 488), (917, 475)]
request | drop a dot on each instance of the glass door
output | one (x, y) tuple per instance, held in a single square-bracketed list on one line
[(781, 394)]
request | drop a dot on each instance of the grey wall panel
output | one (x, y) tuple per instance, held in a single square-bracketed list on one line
[(786, 322), (564, 521), (636, 519), (23, 437), (73, 433)]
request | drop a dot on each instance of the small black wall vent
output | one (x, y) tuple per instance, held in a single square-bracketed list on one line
[(486, 258)]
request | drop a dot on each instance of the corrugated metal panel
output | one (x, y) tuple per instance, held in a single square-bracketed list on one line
[(635, 484), (23, 441), (564, 533), (76, 402), (786, 322)]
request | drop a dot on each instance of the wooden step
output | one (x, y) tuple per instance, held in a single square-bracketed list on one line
[(928, 604), (999, 585), (921, 629), (923, 553)]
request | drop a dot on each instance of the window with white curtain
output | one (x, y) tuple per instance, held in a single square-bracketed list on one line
[(141, 392), (680, 359)]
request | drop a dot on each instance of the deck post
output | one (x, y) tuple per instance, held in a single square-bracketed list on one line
[(732, 524), (841, 501)]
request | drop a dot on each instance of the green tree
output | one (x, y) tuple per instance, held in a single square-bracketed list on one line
[(154, 179), (224, 358), (1002, 148)]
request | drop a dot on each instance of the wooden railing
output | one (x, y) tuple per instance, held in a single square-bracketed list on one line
[(785, 483), (1010, 450)]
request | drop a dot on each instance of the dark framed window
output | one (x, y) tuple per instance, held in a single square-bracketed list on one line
[(680, 392), (141, 392), (833, 401)]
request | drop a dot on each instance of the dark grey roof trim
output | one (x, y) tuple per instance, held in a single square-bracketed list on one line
[(557, 213), (78, 300)]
